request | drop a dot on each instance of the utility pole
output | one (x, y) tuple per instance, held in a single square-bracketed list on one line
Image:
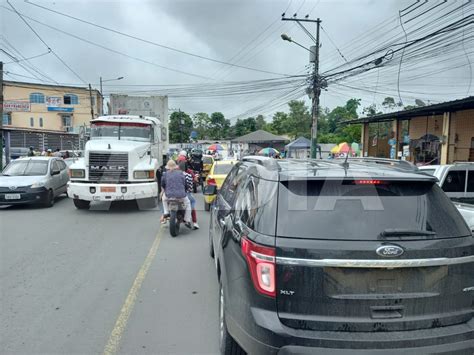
[(92, 106), (1, 115), (316, 80)]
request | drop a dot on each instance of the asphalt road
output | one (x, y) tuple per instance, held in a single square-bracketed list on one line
[(104, 281)]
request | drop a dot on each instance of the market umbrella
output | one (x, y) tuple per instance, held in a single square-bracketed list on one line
[(335, 149), (215, 147), (268, 152), (343, 148), (355, 148)]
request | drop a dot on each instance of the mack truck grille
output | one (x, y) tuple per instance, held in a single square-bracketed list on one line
[(108, 167)]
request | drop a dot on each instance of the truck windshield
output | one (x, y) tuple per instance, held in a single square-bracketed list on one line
[(122, 131)]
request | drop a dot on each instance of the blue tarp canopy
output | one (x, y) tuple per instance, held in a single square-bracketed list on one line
[(299, 143)]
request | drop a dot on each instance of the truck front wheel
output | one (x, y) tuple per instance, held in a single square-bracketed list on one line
[(81, 204)]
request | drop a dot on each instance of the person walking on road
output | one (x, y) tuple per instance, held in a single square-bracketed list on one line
[(31, 152), (189, 178), (174, 187)]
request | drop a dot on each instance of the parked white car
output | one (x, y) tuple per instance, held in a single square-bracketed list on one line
[(35, 180), (456, 180)]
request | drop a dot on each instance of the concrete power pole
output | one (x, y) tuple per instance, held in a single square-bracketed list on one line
[(316, 81)]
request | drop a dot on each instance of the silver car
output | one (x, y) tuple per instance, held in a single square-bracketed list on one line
[(36, 180)]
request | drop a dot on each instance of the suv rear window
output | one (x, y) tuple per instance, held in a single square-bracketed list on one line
[(346, 210)]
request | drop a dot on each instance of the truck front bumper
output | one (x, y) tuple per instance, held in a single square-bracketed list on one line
[(111, 192)]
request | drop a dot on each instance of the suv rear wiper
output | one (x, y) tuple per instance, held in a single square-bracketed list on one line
[(396, 232)]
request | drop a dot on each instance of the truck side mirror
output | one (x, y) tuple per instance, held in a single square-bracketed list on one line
[(164, 134)]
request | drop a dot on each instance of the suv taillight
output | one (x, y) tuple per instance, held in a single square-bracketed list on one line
[(261, 263)]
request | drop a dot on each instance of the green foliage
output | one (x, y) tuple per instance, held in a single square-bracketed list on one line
[(180, 131), (218, 126), (279, 123), (201, 122)]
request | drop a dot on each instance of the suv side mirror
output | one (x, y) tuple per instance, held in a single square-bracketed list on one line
[(210, 190)]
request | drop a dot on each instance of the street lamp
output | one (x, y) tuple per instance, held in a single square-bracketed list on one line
[(101, 95), (103, 81), (285, 37)]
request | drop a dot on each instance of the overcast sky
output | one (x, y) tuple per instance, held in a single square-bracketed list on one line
[(218, 29)]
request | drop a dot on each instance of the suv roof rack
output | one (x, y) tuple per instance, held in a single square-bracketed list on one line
[(263, 161), (403, 164)]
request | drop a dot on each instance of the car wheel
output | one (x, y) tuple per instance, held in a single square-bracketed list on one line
[(50, 199), (207, 206), (227, 344), (81, 204)]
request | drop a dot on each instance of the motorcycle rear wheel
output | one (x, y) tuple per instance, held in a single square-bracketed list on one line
[(174, 223)]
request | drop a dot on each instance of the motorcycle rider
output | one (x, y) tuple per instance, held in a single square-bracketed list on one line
[(174, 187), (196, 161), (189, 178)]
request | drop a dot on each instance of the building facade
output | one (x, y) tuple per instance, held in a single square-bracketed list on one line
[(52, 108), (435, 134)]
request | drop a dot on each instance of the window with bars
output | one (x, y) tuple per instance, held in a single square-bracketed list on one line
[(37, 98), (71, 99)]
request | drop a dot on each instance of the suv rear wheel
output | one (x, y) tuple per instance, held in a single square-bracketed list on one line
[(227, 344)]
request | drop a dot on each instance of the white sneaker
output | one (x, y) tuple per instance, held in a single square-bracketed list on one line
[(195, 226)]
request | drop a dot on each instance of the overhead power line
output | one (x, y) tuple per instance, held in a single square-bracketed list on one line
[(47, 46), (109, 49), (153, 43)]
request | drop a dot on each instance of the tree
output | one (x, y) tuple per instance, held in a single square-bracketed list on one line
[(245, 126), (371, 110), (299, 120), (180, 131), (201, 122), (389, 103), (218, 126), (260, 123), (279, 123)]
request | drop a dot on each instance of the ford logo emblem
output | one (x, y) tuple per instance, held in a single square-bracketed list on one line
[(12, 188), (389, 251)]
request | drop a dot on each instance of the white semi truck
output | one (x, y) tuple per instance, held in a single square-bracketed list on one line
[(122, 161)]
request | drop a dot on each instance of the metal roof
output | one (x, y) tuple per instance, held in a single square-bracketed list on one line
[(259, 136), (299, 143), (449, 106)]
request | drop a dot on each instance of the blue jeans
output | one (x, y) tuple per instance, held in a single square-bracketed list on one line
[(192, 200)]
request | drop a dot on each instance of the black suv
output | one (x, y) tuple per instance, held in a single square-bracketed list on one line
[(366, 256)]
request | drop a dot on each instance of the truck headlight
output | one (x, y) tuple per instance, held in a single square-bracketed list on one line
[(37, 184), (144, 174), (77, 173)]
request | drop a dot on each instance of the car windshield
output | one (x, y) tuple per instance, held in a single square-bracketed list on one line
[(123, 131), (28, 167), (348, 210), (207, 160), (222, 169)]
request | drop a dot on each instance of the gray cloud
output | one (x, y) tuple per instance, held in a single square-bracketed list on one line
[(215, 28)]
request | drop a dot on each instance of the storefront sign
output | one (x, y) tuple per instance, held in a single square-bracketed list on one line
[(53, 101), (16, 106), (61, 109)]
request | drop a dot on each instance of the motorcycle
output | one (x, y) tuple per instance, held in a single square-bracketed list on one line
[(176, 210)]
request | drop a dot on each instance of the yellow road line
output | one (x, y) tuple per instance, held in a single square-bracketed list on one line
[(115, 337)]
